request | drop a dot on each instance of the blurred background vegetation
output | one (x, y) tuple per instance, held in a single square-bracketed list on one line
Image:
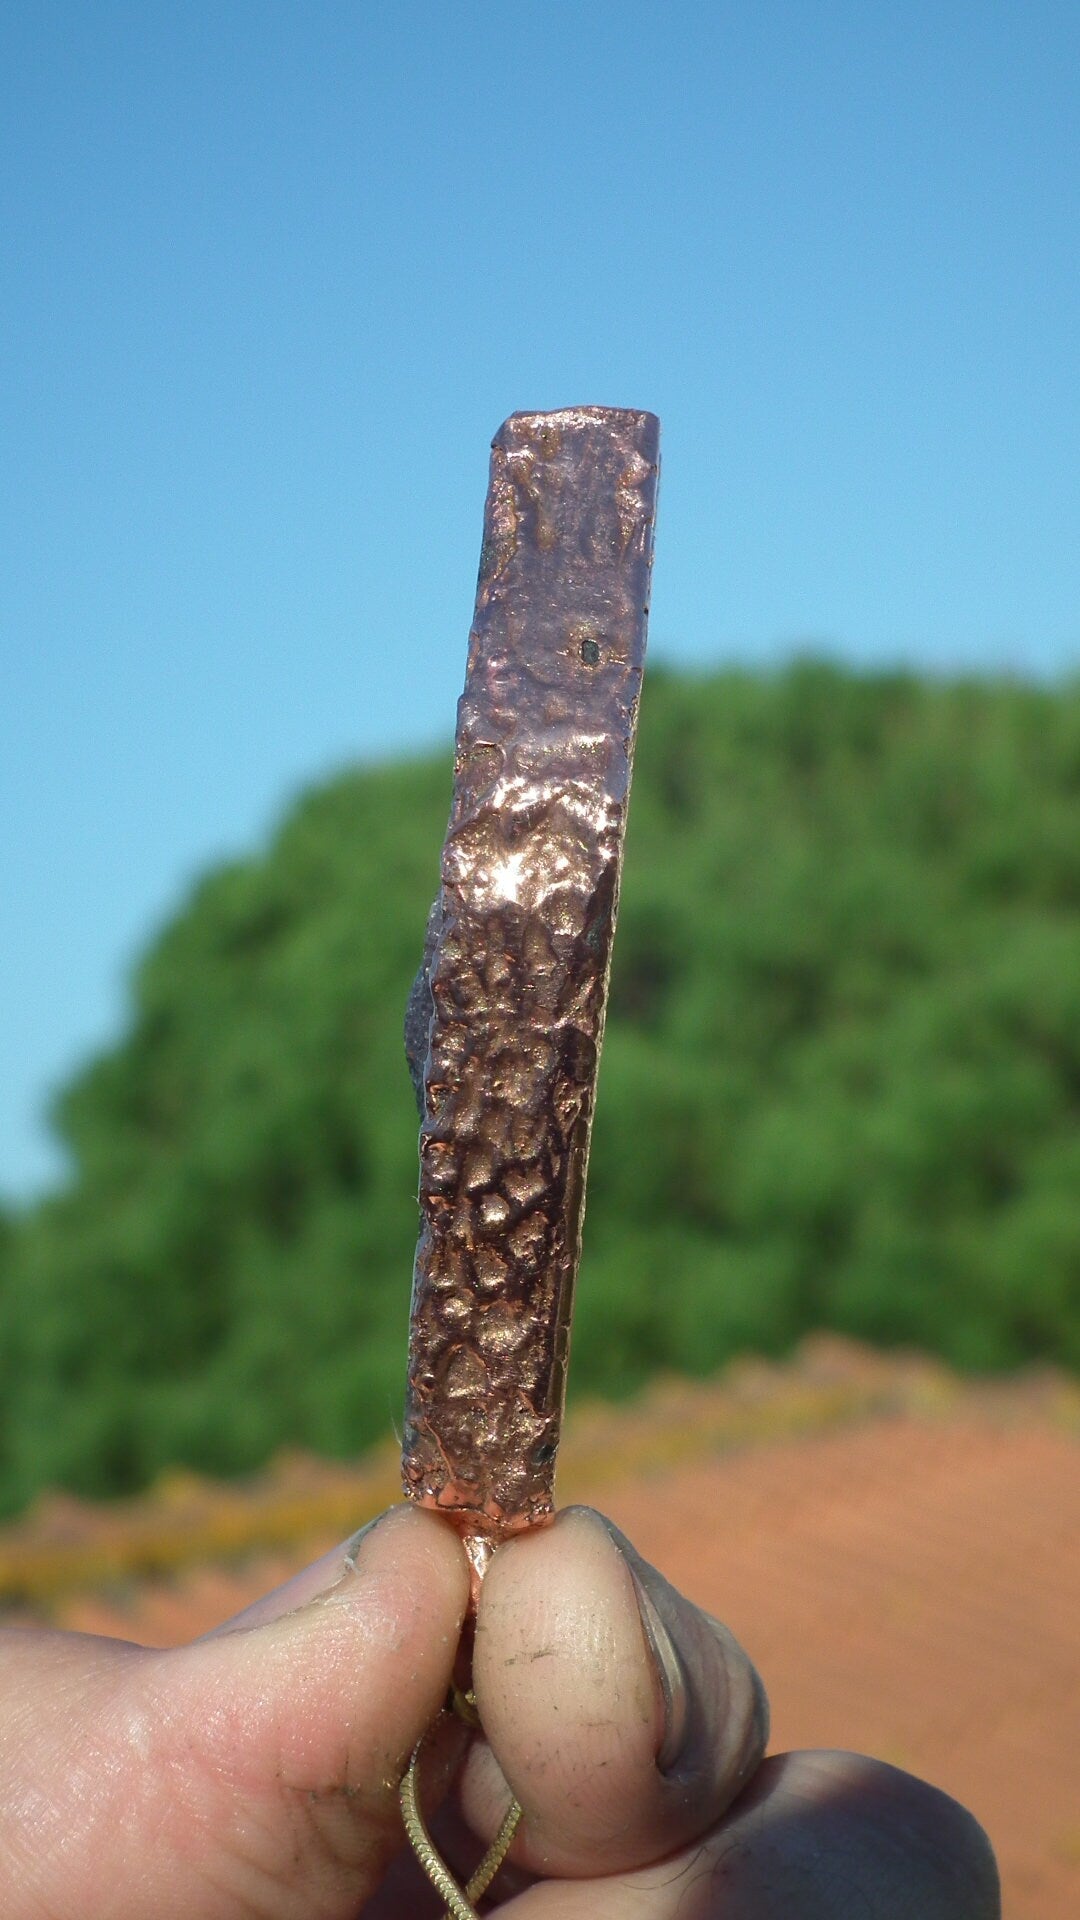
[(840, 1087)]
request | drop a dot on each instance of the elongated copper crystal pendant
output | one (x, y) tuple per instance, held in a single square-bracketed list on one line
[(506, 1018)]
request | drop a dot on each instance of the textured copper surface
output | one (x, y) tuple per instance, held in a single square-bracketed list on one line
[(507, 1016)]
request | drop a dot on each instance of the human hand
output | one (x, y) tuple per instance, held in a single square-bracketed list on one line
[(255, 1773)]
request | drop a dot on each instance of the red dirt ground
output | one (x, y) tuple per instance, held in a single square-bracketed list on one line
[(899, 1553)]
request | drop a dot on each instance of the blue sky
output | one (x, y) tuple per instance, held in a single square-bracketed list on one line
[(273, 274)]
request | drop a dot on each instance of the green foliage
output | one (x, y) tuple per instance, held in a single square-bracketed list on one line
[(840, 1087)]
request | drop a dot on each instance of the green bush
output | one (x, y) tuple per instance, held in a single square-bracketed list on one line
[(840, 1086)]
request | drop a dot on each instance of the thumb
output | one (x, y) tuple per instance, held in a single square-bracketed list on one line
[(622, 1718), (253, 1773)]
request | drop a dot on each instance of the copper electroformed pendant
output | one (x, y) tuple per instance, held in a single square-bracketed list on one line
[(507, 1014)]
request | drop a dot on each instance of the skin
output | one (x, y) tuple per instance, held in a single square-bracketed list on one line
[(253, 1775)]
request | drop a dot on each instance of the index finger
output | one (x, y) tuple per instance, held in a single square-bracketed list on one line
[(623, 1718)]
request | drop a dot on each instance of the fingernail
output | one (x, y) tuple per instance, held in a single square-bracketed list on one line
[(688, 1646), (654, 1605), (309, 1584), (352, 1545), (670, 1673)]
